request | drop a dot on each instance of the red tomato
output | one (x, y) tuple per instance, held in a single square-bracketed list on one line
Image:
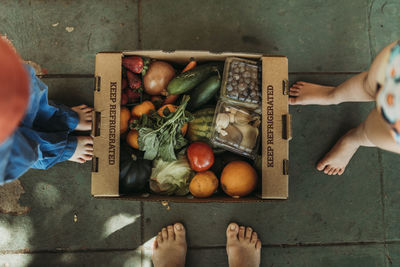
[(200, 156)]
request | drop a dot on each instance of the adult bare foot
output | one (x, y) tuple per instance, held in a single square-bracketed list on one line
[(304, 93), (243, 246), (169, 248), (336, 160), (85, 117), (84, 149)]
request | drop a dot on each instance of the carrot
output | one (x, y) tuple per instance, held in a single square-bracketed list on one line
[(190, 65), (170, 99)]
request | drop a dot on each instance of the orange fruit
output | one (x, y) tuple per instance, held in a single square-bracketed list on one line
[(132, 138), (238, 179), (203, 184), (172, 108), (124, 122), (143, 108)]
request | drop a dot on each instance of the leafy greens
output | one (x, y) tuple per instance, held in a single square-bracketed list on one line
[(160, 136)]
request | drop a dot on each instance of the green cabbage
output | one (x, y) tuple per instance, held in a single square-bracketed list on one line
[(171, 177)]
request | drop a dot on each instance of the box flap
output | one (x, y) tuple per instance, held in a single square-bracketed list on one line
[(183, 56), (275, 128), (106, 129)]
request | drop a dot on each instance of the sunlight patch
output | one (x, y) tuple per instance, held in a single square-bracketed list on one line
[(46, 194), (118, 222)]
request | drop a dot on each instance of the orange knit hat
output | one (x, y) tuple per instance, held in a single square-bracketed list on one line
[(14, 90)]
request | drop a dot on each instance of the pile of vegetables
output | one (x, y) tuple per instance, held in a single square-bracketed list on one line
[(159, 105)]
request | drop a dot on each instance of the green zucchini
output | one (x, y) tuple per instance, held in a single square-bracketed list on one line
[(188, 80), (204, 92)]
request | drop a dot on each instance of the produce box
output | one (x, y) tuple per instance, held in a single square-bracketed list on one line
[(275, 125)]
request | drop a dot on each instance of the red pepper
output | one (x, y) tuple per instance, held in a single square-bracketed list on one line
[(200, 156)]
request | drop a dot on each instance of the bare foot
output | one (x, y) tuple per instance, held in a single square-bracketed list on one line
[(336, 160), (84, 149), (243, 246), (303, 93), (169, 248), (85, 117)]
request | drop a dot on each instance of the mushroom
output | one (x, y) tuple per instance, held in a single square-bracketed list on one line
[(242, 117), (222, 121), (249, 133), (233, 135)]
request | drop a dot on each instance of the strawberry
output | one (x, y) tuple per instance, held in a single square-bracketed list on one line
[(133, 96), (134, 80), (135, 64)]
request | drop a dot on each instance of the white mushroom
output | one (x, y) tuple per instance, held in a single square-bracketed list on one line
[(222, 120), (249, 134)]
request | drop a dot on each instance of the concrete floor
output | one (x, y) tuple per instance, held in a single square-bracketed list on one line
[(48, 218)]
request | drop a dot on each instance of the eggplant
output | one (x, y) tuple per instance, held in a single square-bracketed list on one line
[(134, 172)]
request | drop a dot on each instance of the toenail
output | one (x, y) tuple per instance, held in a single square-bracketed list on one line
[(233, 227), (178, 227)]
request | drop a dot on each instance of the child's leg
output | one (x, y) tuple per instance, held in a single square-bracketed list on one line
[(361, 87), (374, 131)]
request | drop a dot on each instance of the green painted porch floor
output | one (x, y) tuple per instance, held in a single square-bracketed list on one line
[(48, 218)]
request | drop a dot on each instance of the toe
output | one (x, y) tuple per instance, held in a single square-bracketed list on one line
[(249, 231), (89, 152), (254, 238), (87, 157), (327, 169), (232, 231), (159, 238), (335, 171), (88, 140), (88, 147), (164, 233), (300, 83), (341, 171), (258, 244), (171, 235), (80, 160), (155, 244), (294, 93), (321, 165), (331, 171), (180, 233), (241, 232), (296, 86)]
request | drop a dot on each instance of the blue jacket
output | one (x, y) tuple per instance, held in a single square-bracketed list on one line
[(42, 138)]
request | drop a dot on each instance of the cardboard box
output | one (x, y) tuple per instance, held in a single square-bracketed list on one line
[(275, 124)]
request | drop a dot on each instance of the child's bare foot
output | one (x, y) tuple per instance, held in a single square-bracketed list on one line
[(243, 246), (169, 248), (303, 93), (85, 117), (84, 149), (336, 160)]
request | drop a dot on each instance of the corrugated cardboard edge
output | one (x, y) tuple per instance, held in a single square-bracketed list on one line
[(106, 129), (275, 149)]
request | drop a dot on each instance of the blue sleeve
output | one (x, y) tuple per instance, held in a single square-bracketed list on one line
[(19, 153), (43, 115)]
